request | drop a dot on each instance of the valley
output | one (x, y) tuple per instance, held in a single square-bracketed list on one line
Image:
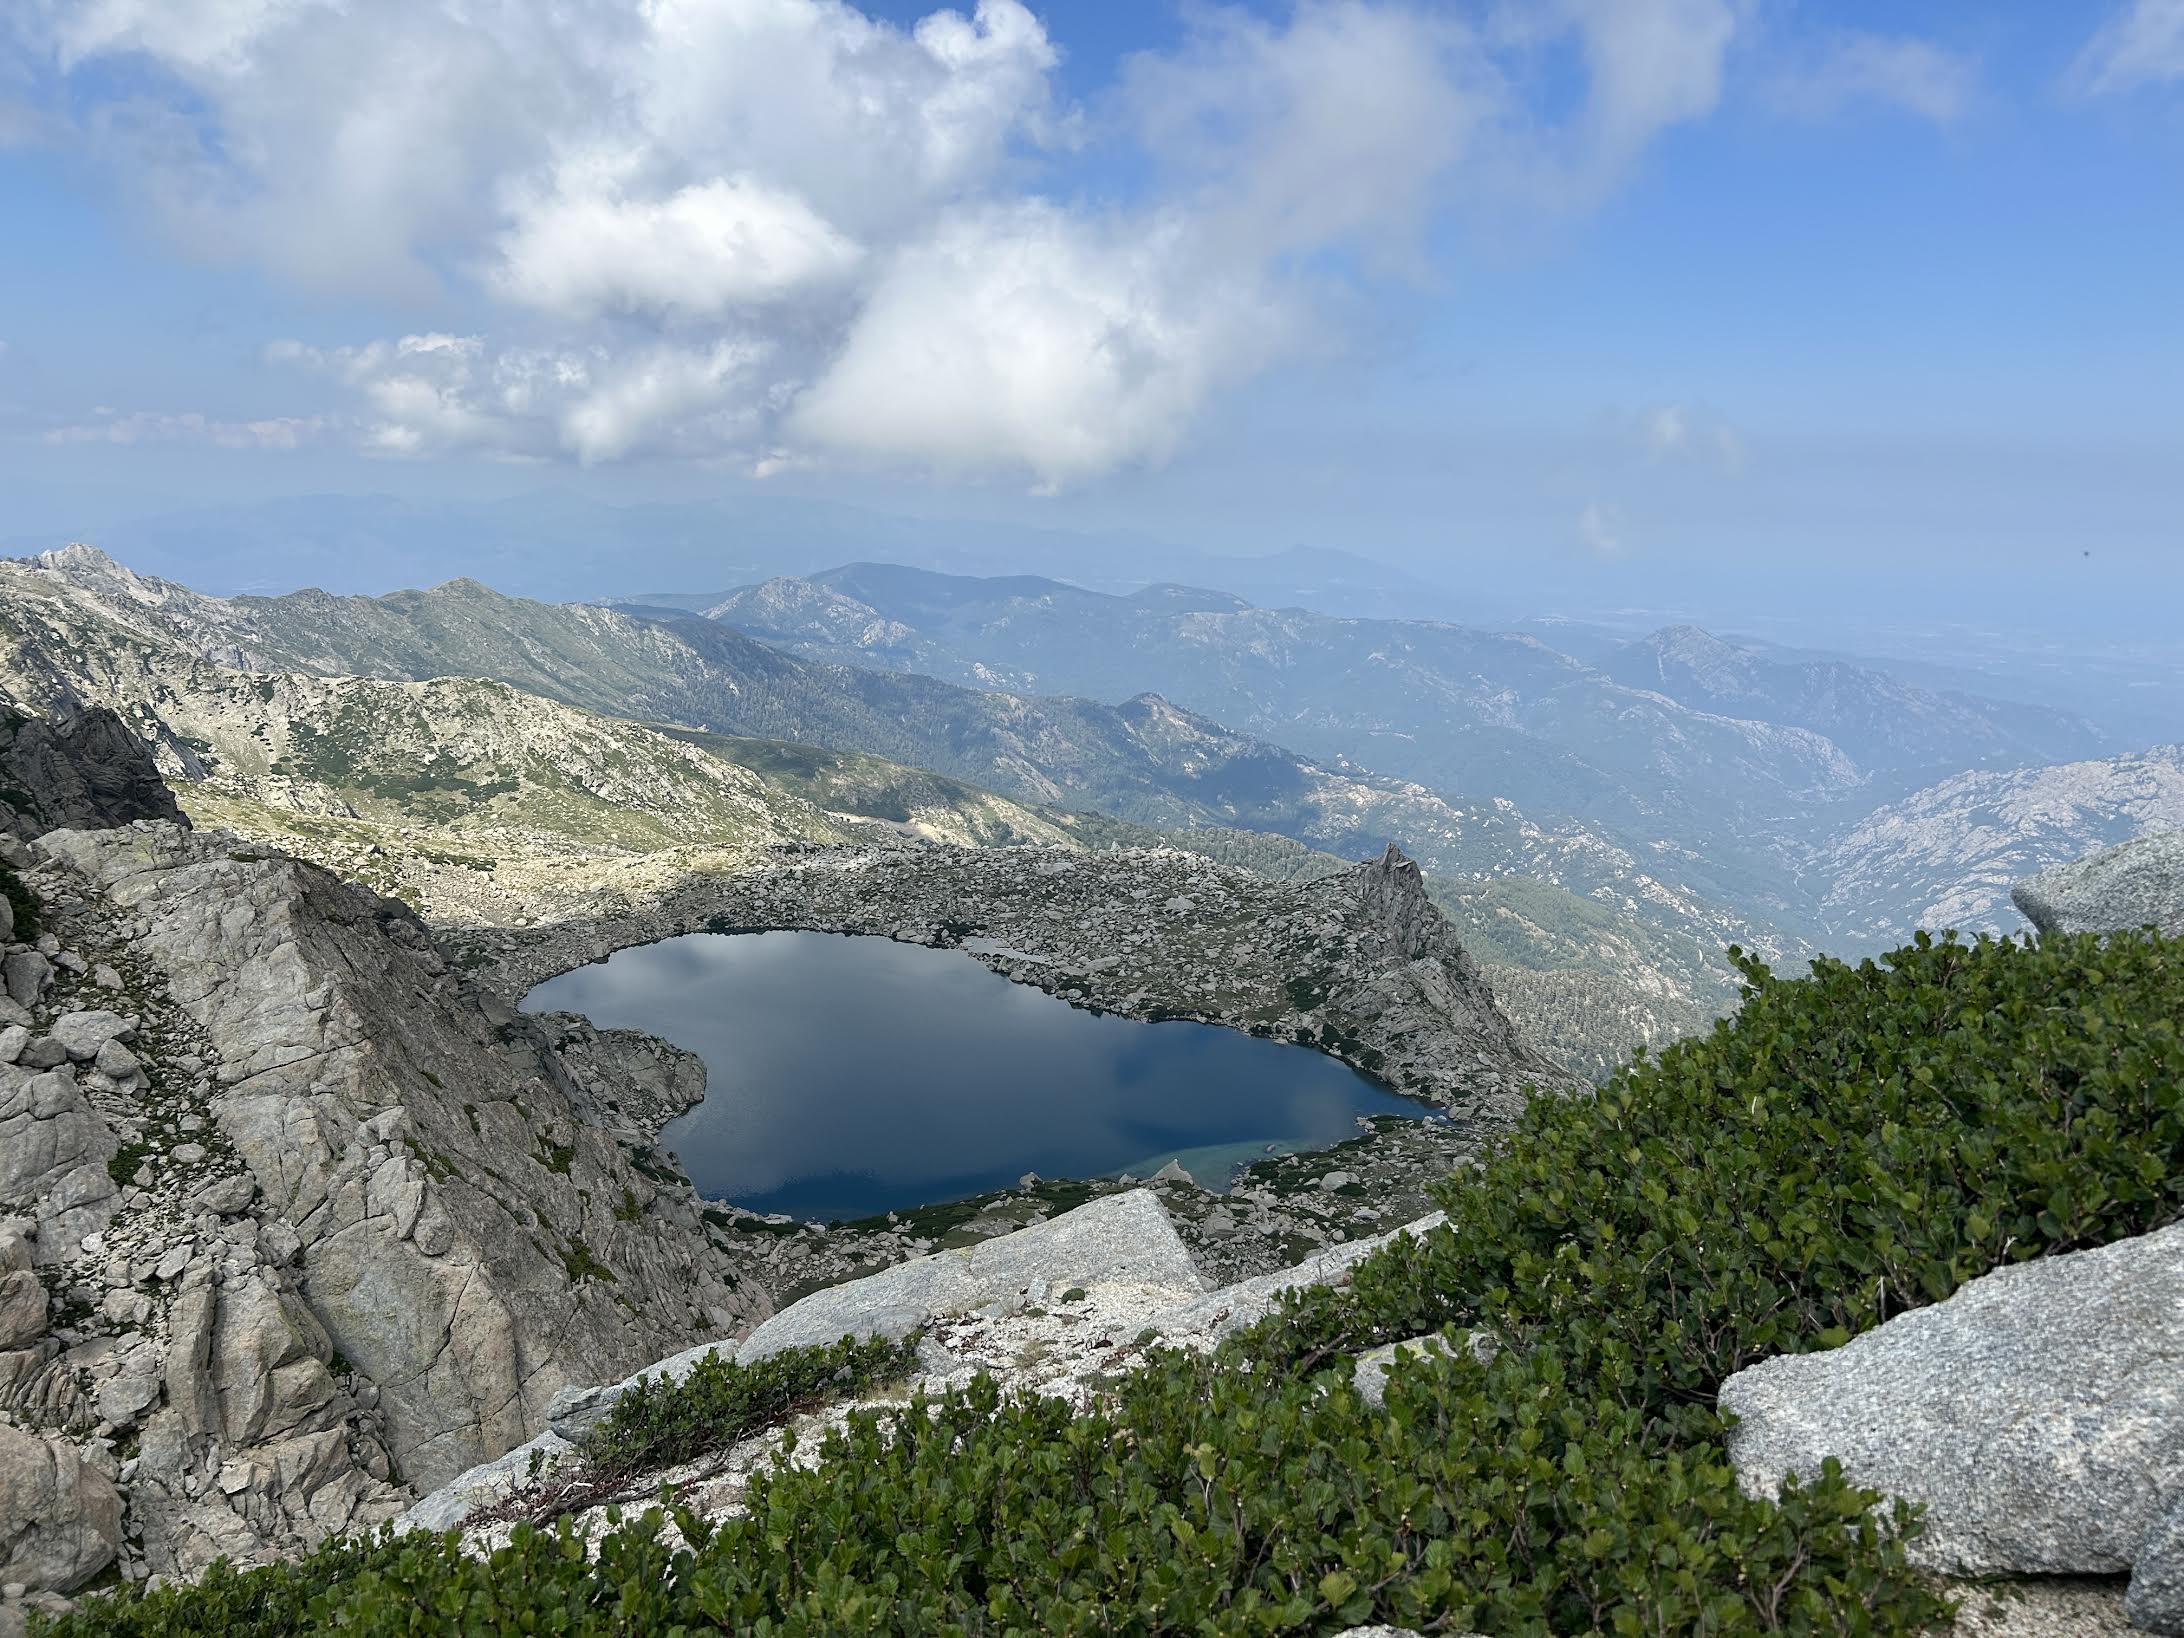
[(623, 751), (309, 1111)]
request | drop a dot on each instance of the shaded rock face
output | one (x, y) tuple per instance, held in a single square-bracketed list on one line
[(293, 1219), (86, 770), (469, 1240), (1391, 890), (2135, 884), (2038, 1413)]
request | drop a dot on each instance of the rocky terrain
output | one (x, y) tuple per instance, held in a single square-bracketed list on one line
[(1947, 855), (297, 1218), (1055, 1308), (2139, 883), (1882, 721), (79, 769), (1359, 964), (1145, 760)]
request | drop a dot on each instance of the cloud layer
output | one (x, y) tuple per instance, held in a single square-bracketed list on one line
[(2142, 44), (777, 231)]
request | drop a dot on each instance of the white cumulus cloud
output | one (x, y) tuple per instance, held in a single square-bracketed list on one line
[(707, 249), (1077, 345), (785, 232)]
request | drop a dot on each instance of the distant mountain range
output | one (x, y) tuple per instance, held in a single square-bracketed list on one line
[(1679, 792), (1679, 739), (998, 765), (1947, 855), (564, 545)]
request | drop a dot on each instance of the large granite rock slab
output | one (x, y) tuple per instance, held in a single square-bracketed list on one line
[(2038, 1413), (1119, 1238), (1233, 1307), (2134, 884), (60, 1521), (54, 1150)]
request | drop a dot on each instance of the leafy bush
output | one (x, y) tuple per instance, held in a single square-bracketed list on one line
[(1852, 1144), (1848, 1146), (661, 1423)]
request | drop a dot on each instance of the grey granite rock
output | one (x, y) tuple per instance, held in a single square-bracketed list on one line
[(26, 973), (485, 1484), (60, 1520), (2154, 1602), (1122, 1237), (53, 1154), (2038, 1413), (2134, 884), (42, 1052), (450, 1186), (22, 1309), (115, 1060), (1248, 1301), (81, 1034), (82, 769)]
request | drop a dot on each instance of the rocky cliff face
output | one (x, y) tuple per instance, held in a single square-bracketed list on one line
[(1947, 856), (293, 1218), (85, 770)]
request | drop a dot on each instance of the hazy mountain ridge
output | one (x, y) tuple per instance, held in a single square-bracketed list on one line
[(1145, 760), (1463, 709), (1946, 856), (1733, 766), (1884, 721), (1171, 776)]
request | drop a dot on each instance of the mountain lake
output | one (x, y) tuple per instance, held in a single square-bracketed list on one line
[(846, 1077)]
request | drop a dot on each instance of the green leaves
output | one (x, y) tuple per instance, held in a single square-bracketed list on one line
[(1850, 1145)]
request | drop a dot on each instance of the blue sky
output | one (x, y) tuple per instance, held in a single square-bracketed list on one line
[(1655, 293)]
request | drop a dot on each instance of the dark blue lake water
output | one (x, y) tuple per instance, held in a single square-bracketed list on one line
[(850, 1076)]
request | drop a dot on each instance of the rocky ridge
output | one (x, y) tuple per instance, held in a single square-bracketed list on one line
[(1360, 964), (1057, 1309), (2137, 884), (1947, 855), (1147, 760), (295, 1218)]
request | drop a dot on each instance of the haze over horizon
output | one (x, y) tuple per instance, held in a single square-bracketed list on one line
[(1733, 309)]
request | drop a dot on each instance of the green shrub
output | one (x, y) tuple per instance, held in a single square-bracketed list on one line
[(661, 1423), (1848, 1146), (1852, 1144)]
